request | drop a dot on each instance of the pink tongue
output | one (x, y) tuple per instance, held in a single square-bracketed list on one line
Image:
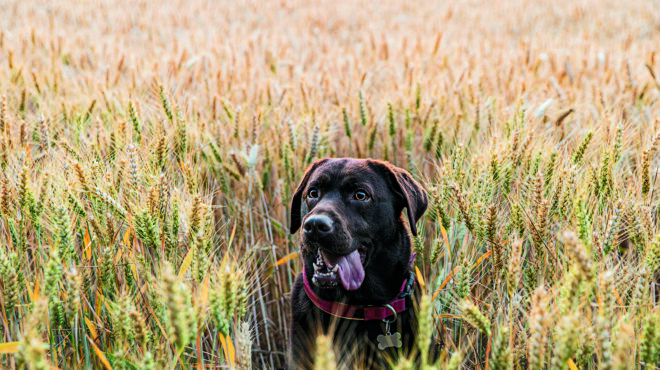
[(351, 271)]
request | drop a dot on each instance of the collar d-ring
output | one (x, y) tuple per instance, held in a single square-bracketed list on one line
[(393, 311)]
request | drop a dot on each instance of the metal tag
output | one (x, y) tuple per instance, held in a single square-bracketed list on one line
[(389, 340)]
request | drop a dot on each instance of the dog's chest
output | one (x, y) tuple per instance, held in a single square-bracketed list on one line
[(359, 341)]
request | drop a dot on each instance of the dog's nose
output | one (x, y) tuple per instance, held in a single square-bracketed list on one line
[(318, 225)]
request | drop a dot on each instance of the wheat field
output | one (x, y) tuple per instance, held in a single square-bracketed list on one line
[(149, 150)]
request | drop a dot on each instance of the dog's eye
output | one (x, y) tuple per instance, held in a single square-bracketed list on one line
[(361, 195), (313, 194)]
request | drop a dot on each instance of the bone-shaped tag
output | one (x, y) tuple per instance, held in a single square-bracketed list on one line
[(387, 341)]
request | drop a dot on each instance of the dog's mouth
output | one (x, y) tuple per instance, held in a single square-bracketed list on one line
[(330, 269)]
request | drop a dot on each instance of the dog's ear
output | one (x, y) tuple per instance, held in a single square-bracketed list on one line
[(295, 219), (412, 194)]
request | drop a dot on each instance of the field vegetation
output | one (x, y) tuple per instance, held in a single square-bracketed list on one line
[(149, 151)]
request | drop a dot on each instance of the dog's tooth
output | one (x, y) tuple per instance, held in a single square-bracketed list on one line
[(336, 268), (316, 266)]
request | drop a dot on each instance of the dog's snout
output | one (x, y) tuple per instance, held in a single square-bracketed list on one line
[(318, 225)]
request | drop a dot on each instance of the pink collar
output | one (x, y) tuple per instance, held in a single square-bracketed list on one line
[(364, 312)]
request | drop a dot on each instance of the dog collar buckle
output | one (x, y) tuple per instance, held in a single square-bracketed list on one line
[(407, 291)]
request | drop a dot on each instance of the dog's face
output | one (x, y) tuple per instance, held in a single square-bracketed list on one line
[(350, 214)]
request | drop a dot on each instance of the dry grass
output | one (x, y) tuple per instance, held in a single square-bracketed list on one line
[(129, 127)]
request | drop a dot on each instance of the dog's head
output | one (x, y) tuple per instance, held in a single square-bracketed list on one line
[(350, 211)]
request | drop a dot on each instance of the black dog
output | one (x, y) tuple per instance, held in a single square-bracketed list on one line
[(357, 260)]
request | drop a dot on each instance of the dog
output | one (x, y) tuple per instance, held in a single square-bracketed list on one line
[(357, 284)]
